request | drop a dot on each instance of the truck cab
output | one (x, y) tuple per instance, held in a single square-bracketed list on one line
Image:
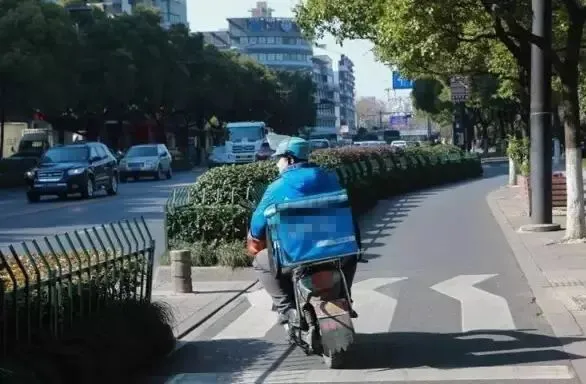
[(245, 140)]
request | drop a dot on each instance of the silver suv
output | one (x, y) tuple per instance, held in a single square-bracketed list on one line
[(151, 160)]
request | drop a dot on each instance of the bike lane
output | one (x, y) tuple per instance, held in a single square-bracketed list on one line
[(440, 299)]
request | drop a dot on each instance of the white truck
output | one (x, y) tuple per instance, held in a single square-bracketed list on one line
[(245, 139)]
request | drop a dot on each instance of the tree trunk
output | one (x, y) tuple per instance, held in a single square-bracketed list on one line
[(2, 121), (575, 223)]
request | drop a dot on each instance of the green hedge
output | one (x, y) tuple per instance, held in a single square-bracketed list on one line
[(220, 208)]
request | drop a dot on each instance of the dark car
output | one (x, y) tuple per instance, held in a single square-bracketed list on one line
[(76, 168), (265, 152)]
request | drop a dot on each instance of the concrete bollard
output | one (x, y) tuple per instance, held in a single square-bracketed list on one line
[(181, 265), (512, 172)]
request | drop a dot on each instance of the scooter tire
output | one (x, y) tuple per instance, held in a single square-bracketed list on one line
[(336, 360)]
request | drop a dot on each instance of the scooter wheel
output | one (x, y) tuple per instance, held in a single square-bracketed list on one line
[(336, 360)]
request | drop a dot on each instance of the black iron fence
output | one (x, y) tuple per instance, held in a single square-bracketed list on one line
[(47, 285)]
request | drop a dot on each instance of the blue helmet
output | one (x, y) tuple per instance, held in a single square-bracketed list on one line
[(295, 147)]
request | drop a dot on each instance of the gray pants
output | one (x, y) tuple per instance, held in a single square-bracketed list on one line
[(281, 288)]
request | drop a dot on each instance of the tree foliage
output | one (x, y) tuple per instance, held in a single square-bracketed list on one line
[(472, 37), (82, 68)]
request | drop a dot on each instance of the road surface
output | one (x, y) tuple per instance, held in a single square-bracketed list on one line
[(440, 300), (20, 220)]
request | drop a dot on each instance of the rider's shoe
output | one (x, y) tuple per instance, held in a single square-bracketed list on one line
[(289, 316)]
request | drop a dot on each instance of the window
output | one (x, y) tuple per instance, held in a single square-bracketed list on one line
[(271, 40), (262, 57), (271, 57), (252, 40), (93, 152), (66, 155), (262, 40), (100, 151), (243, 40), (279, 57), (278, 40), (142, 151)]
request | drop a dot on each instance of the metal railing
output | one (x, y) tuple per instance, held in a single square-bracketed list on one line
[(48, 285)]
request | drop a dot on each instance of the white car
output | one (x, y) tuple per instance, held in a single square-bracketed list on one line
[(152, 160), (370, 143), (399, 144)]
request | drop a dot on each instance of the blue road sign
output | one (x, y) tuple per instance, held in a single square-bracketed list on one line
[(400, 82)]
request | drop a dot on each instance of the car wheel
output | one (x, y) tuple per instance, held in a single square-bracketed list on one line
[(33, 197), (160, 174), (113, 186), (169, 173), (88, 190)]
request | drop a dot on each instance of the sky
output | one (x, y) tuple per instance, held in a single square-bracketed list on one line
[(372, 77)]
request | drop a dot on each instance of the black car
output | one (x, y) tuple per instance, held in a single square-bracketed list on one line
[(76, 168)]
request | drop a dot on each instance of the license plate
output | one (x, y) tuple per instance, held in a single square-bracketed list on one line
[(331, 308)]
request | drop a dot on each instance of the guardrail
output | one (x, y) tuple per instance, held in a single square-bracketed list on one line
[(47, 285)]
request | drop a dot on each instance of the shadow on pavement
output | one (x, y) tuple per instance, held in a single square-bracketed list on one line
[(215, 355), (495, 169), (380, 221), (456, 350)]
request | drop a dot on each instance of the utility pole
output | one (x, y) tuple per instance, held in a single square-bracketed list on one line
[(540, 120), (380, 119)]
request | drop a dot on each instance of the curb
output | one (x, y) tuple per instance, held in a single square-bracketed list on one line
[(494, 160), (560, 319)]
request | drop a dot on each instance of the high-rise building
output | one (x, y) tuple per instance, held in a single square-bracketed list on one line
[(346, 82), (274, 42), (172, 11), (327, 97)]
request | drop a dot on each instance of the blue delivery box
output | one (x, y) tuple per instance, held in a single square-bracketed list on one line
[(311, 229)]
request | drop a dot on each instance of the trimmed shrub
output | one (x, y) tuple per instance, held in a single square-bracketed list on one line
[(115, 346), (217, 218)]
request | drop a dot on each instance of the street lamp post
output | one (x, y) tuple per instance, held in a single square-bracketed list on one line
[(540, 120)]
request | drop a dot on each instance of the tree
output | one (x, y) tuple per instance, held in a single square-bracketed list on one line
[(369, 109), (469, 36), (81, 68), (297, 108), (34, 40)]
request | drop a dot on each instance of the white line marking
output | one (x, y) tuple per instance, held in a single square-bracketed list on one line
[(255, 322), (508, 372), (480, 309), (375, 310)]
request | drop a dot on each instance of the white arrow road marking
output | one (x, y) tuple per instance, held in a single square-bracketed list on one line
[(256, 322), (480, 309), (375, 310)]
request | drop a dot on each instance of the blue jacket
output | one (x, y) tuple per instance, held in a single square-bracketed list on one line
[(297, 181)]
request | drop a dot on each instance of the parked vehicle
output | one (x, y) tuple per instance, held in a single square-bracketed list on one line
[(319, 144), (402, 144), (322, 322), (75, 168), (369, 143), (265, 152), (146, 160)]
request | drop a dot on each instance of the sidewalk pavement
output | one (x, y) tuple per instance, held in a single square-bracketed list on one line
[(213, 289), (555, 271)]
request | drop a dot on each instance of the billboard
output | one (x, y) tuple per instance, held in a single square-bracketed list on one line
[(400, 82), (399, 121)]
